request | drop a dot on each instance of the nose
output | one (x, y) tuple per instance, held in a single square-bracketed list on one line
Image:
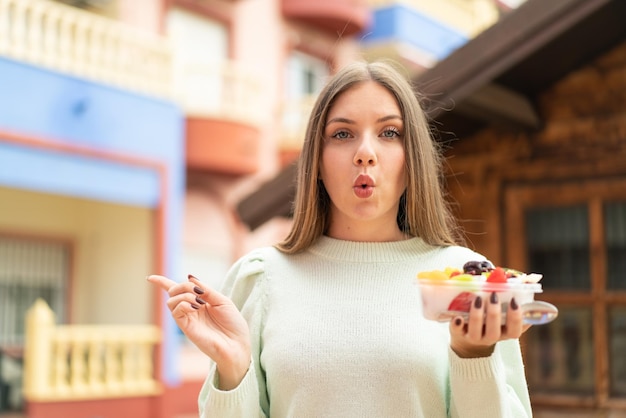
[(365, 153)]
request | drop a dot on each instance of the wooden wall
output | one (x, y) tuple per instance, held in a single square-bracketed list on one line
[(577, 157), (583, 139)]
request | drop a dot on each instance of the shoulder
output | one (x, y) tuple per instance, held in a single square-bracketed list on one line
[(459, 251), (456, 255), (249, 274), (256, 261)]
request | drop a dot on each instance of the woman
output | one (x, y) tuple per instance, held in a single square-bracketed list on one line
[(329, 322)]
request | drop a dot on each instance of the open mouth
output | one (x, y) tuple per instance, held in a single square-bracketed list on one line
[(363, 186), (364, 181)]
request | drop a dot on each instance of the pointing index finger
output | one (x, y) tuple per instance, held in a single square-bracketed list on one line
[(161, 281)]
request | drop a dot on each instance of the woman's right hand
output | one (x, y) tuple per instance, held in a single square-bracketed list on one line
[(213, 323)]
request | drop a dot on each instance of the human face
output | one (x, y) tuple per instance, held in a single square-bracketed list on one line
[(363, 164)]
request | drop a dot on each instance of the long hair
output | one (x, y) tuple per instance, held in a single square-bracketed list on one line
[(423, 209)]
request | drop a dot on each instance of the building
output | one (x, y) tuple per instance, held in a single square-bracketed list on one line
[(130, 133)]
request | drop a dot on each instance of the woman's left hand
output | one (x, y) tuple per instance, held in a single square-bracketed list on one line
[(478, 336)]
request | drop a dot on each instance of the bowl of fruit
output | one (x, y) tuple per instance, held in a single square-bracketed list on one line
[(450, 292)]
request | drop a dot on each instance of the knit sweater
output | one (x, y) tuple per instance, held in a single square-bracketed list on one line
[(338, 331)]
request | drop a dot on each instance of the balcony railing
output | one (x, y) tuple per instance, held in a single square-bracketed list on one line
[(80, 43), (467, 16), (77, 42), (71, 362)]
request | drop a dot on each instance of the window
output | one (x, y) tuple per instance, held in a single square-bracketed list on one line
[(615, 226), (617, 331), (575, 235), (558, 246), (30, 269), (200, 53), (615, 232), (559, 355), (305, 77)]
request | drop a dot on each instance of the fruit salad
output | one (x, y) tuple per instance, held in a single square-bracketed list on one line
[(445, 293)]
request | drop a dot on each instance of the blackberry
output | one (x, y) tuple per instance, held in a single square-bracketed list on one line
[(476, 268)]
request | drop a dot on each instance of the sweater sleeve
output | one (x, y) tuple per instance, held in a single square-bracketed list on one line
[(493, 386), (245, 285)]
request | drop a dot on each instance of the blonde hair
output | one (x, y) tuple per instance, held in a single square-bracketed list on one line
[(423, 210)]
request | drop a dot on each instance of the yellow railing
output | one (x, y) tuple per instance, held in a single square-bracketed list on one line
[(70, 362), (74, 41)]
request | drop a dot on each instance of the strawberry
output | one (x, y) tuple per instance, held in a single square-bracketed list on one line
[(497, 276), (462, 302)]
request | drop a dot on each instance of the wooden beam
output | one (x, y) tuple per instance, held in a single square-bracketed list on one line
[(273, 198), (498, 105), (500, 48)]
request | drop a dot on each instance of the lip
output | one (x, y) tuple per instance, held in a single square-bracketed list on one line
[(363, 180), (363, 186)]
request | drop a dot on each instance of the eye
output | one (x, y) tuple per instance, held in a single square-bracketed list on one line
[(390, 132), (341, 135)]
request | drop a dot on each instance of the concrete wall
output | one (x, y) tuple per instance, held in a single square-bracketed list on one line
[(112, 251)]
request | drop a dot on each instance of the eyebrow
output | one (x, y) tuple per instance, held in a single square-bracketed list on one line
[(350, 121)]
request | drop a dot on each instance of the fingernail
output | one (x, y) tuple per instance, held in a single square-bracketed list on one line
[(193, 305), (478, 302), (493, 298), (191, 277), (200, 301), (513, 304), (198, 290), (458, 322)]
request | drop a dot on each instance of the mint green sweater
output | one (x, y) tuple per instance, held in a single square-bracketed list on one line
[(338, 331)]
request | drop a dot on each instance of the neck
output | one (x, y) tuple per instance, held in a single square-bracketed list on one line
[(366, 232)]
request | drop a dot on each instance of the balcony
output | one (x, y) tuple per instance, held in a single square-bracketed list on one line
[(72, 370), (222, 105), (220, 101), (419, 33), (221, 146), (339, 17), (65, 39)]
